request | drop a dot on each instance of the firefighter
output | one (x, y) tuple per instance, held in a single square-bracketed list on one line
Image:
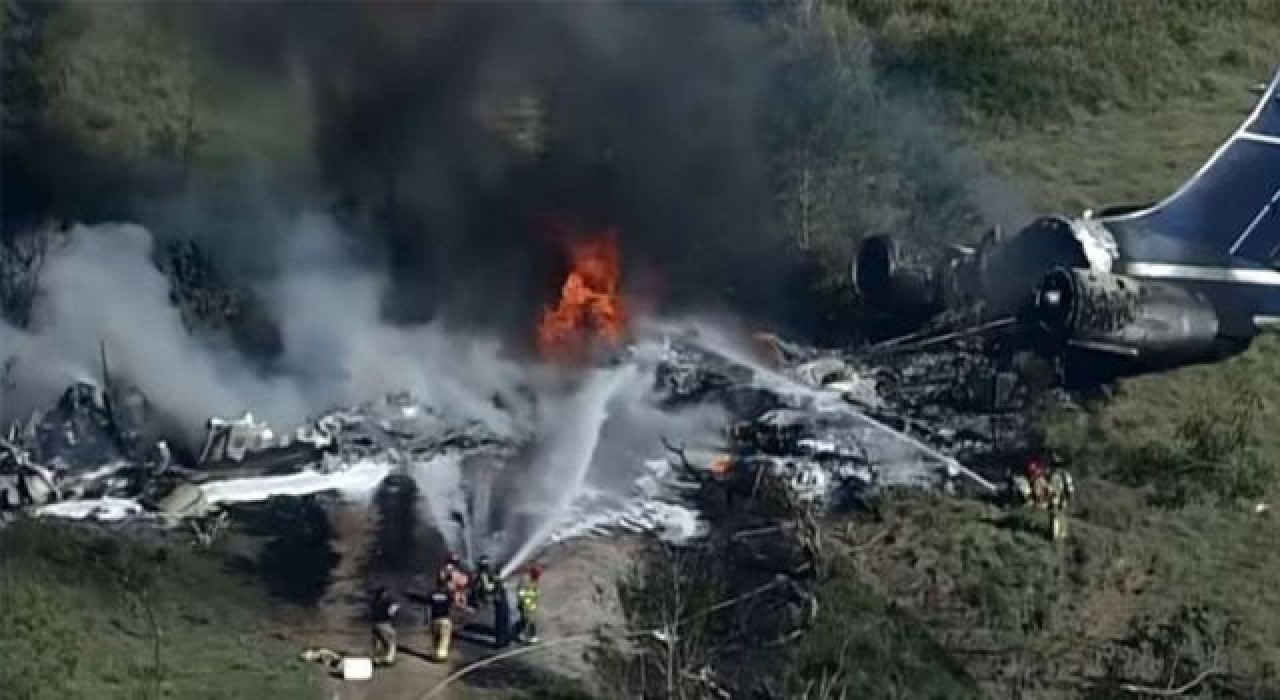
[(527, 606), (1038, 480), (383, 615), (1061, 489), (439, 608), (455, 580), (501, 614), (483, 583), (740, 436)]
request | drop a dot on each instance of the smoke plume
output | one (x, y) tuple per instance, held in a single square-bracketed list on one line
[(453, 138), (101, 289)]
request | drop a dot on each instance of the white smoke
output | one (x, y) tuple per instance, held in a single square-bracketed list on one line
[(339, 351), (100, 287), (439, 481), (594, 437)]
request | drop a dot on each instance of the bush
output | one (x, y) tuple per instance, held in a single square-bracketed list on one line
[(1194, 642), (1214, 455), (851, 159), (864, 647)]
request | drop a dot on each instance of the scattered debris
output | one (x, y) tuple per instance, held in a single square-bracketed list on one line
[(829, 427)]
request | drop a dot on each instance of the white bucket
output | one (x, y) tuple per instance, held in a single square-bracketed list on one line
[(355, 668)]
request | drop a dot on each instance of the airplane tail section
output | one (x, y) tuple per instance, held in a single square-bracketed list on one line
[(1227, 212)]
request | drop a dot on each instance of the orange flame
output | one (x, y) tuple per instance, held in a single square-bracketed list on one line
[(591, 306)]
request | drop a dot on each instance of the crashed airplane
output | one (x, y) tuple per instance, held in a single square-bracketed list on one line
[(1129, 290), (820, 423)]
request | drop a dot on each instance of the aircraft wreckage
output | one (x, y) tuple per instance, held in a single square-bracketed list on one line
[(833, 427), (1129, 290), (1064, 301)]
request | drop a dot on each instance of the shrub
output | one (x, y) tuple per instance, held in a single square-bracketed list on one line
[(1213, 455)]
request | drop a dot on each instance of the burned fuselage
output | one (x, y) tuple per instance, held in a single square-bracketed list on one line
[(1064, 289), (95, 444), (1106, 325), (1135, 289)]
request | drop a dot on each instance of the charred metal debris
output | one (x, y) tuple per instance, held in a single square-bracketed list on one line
[(830, 426)]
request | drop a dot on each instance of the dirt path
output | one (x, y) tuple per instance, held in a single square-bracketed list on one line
[(339, 620), (579, 596)]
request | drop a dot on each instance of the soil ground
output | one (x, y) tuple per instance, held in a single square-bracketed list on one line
[(370, 548)]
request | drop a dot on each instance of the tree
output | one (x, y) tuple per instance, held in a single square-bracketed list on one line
[(22, 260)]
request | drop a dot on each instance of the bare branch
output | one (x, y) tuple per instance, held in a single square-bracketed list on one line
[(1172, 692), (684, 464)]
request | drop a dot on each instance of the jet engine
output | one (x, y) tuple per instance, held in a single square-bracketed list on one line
[(894, 276), (1124, 316)]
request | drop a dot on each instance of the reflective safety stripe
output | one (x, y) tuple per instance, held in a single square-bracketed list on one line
[(1243, 275), (528, 598)]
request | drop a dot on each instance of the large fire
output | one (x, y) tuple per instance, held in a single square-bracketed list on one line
[(591, 307)]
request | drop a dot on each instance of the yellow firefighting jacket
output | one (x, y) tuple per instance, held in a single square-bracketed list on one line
[(527, 598)]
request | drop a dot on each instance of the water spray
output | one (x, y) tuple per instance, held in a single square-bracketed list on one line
[(562, 466)]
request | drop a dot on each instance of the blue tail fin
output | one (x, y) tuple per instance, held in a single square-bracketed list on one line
[(1230, 209)]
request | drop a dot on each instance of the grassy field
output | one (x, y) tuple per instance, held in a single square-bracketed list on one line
[(1137, 595), (87, 615)]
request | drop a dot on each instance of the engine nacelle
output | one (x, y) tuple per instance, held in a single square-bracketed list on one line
[(893, 276), (1124, 316)]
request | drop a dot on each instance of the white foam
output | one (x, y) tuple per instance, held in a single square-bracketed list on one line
[(670, 522), (107, 509), (358, 481)]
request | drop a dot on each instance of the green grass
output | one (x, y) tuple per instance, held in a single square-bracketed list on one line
[(1070, 104), (1033, 60), (1093, 160), (1016, 612), (74, 622)]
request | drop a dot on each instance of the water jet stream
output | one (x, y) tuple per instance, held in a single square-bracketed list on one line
[(562, 466)]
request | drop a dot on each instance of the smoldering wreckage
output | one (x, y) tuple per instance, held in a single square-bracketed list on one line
[(678, 403), (666, 397), (701, 403), (833, 426)]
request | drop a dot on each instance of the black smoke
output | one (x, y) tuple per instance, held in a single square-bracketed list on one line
[(652, 121)]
